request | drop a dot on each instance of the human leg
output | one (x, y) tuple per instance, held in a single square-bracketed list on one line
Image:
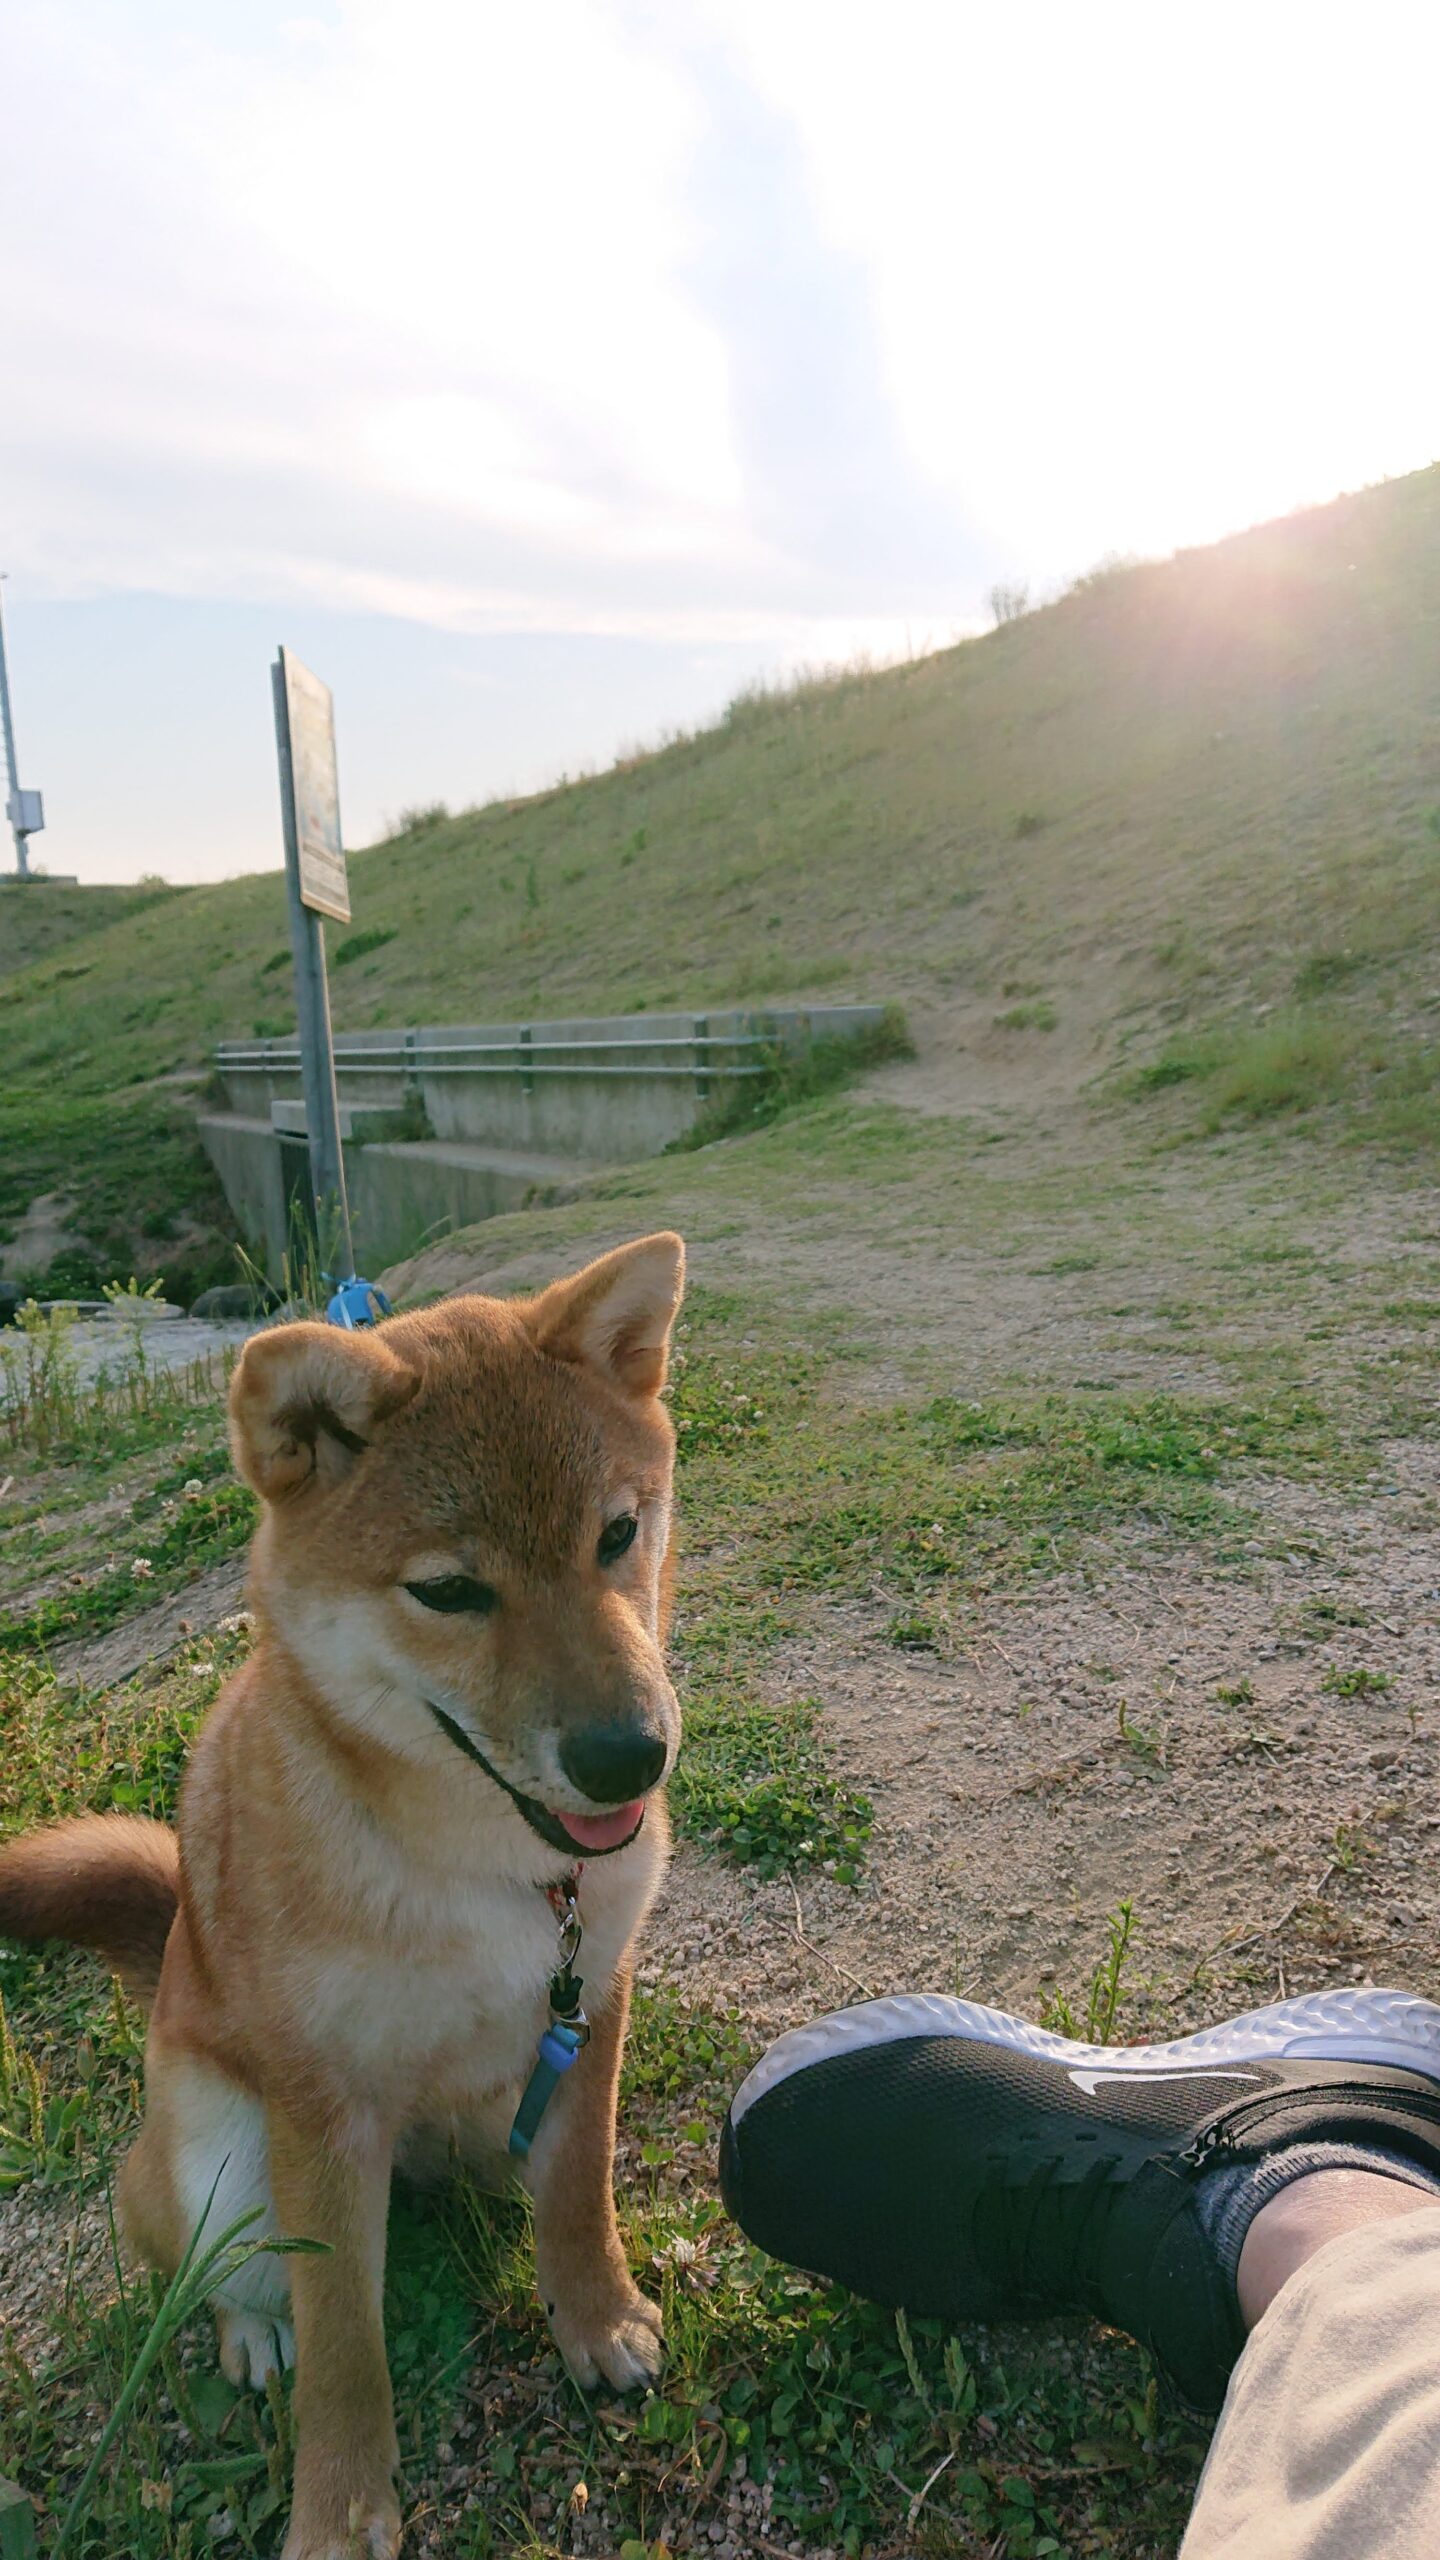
[(1328, 2445)]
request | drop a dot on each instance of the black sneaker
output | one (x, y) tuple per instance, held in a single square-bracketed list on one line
[(961, 2164)]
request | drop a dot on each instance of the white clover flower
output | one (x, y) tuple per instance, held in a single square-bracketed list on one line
[(690, 2261), (141, 1569)]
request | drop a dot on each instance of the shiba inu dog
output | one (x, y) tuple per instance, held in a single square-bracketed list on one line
[(444, 1754)]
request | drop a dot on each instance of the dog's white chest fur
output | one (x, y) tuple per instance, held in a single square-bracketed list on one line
[(462, 1992), (441, 1993)]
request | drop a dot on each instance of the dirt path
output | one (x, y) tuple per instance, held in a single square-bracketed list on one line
[(152, 1635), (1278, 1837), (1072, 1254)]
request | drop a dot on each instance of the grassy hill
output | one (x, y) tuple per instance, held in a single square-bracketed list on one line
[(38, 920), (1185, 820)]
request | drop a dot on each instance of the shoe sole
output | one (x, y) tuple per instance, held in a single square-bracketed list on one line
[(1393, 2029)]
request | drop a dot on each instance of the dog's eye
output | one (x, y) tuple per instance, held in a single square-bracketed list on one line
[(453, 1592), (616, 1537)]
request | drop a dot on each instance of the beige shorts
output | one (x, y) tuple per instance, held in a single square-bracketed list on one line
[(1328, 2446)]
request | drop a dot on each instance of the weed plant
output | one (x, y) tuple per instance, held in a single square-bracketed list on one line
[(1096, 2019), (50, 1410), (794, 1074)]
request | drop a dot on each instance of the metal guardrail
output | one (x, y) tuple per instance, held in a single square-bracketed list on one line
[(505, 1057)]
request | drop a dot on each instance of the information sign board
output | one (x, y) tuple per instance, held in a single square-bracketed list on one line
[(315, 783)]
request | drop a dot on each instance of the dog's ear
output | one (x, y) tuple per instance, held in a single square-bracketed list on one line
[(616, 1315), (306, 1399)]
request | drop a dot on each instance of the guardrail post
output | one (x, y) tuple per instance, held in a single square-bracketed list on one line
[(702, 1057), (527, 1069)]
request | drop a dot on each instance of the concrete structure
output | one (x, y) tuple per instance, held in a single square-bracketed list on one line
[(443, 1127)]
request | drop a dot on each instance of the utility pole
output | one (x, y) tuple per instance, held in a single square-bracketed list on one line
[(24, 809)]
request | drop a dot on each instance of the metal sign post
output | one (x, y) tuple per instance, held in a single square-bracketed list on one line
[(24, 809), (315, 879)]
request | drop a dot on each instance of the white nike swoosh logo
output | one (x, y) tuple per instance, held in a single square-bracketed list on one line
[(1092, 2081)]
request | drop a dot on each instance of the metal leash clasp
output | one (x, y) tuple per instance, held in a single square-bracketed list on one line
[(564, 1902)]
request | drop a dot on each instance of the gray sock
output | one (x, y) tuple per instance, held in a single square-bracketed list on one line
[(1231, 2194)]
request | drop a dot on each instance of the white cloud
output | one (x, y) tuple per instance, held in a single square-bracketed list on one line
[(1141, 274), (400, 293), (750, 317), (774, 327)]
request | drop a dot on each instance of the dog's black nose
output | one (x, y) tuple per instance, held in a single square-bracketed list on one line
[(612, 1763)]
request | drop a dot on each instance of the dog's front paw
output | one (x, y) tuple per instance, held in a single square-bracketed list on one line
[(615, 2337)]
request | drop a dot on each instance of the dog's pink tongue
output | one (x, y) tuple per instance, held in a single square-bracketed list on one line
[(604, 1830)]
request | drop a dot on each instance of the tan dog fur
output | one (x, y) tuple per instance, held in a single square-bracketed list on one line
[(361, 1941)]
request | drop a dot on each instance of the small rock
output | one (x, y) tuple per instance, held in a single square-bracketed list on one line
[(235, 1298)]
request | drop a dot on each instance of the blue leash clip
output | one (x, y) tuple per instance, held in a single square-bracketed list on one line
[(568, 2033), (560, 2049)]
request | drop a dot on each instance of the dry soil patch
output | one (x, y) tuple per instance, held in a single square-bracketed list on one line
[(1269, 1842)]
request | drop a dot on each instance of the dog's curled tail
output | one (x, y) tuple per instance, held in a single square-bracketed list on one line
[(107, 1881)]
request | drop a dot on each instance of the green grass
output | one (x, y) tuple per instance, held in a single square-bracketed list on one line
[(754, 1784), (141, 1194), (1310, 1058), (809, 1489), (39, 921), (127, 1406), (1298, 1061), (1356, 1682), (810, 1492), (836, 2413), (1094, 2019), (795, 1076), (158, 1551), (130, 1490), (1038, 1015), (356, 945)]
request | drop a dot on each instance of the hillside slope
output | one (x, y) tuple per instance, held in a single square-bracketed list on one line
[(1202, 792), (38, 919)]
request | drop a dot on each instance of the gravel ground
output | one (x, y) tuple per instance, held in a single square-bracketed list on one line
[(171, 1341), (49, 2244)]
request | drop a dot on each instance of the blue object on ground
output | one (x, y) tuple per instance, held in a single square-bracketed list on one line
[(358, 1302)]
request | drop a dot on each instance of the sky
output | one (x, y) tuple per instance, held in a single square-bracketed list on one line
[(544, 376)]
